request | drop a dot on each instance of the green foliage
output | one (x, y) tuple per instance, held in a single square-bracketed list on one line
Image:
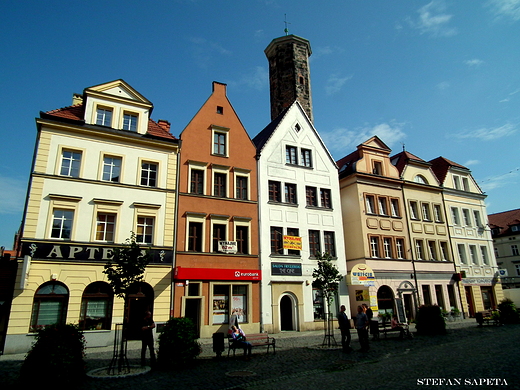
[(126, 266), (178, 344), (56, 356), (508, 312), (430, 320), (326, 277)]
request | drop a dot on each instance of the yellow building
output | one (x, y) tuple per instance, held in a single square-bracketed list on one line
[(102, 169), (470, 235)]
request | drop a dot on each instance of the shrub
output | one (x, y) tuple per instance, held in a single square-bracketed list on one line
[(178, 344), (430, 320), (508, 312), (57, 355)]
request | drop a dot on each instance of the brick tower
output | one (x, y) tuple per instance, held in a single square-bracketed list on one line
[(289, 74)]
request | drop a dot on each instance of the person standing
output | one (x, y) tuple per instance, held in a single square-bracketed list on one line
[(362, 329), (344, 327), (147, 338)]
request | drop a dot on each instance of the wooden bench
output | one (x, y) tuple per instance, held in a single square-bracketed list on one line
[(386, 327), (256, 340), (486, 317)]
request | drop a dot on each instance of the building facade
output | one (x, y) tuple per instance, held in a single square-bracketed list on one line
[(217, 269), (102, 170), (480, 285)]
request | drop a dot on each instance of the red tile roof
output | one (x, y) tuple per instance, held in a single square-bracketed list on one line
[(77, 112), (504, 220), (402, 158), (441, 165)]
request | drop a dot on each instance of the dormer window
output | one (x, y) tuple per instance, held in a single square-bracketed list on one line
[(378, 168), (130, 121), (104, 116)]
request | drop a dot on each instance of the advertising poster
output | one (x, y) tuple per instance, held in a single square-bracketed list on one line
[(220, 305)]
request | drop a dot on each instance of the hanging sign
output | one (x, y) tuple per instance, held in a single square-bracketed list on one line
[(362, 275), (292, 242), (227, 247)]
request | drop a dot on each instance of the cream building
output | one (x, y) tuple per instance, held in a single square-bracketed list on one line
[(470, 235), (102, 169)]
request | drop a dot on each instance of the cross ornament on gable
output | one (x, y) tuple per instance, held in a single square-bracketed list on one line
[(286, 29)]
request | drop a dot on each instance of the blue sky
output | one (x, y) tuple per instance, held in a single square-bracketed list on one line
[(440, 77)]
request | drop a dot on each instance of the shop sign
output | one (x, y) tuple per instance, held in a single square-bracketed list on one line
[(231, 274), (288, 269), (227, 247), (477, 281), (362, 275), (292, 242)]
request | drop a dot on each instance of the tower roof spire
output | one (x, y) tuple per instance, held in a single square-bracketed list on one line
[(286, 29)]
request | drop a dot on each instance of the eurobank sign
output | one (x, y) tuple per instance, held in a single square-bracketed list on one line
[(182, 273), (362, 275)]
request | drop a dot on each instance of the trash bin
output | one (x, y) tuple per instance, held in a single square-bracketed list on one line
[(218, 343)]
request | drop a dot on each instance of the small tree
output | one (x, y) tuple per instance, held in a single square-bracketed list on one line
[(125, 268), (327, 278), (178, 344)]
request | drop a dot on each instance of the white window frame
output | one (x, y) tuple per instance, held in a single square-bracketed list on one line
[(484, 255), (133, 125), (245, 222), (473, 254), (197, 218), (145, 210), (215, 220), (394, 207), (455, 216), (67, 203), (221, 169), (104, 110), (370, 204), (59, 163), (199, 166), (102, 167), (463, 258), (220, 131), (437, 213), (246, 173)]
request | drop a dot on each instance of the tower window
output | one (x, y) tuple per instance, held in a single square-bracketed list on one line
[(302, 81), (220, 110)]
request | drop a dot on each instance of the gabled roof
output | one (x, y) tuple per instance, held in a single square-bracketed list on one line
[(400, 160), (347, 163), (76, 113), (504, 221), (441, 166), (118, 88)]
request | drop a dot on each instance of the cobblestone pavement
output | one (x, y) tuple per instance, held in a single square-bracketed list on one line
[(464, 355)]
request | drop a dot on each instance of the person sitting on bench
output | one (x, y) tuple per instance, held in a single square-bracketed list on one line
[(396, 326), (239, 340)]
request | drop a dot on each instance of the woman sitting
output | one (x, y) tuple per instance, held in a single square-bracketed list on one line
[(239, 341)]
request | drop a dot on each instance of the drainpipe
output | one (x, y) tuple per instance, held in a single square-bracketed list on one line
[(176, 227)]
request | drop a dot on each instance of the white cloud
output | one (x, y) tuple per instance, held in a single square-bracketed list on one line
[(471, 162), (489, 134), (204, 50), (258, 79), (12, 195), (474, 62), (443, 85), (506, 8), (342, 141), (433, 21), (335, 83), (494, 182)]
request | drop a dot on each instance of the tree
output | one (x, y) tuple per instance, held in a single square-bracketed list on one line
[(327, 279), (125, 268)]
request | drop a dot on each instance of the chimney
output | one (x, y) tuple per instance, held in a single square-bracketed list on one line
[(77, 99), (164, 124)]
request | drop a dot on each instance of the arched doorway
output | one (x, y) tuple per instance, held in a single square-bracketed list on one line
[(140, 299), (385, 299), (287, 312)]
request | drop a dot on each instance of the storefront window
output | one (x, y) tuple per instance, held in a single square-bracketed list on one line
[(319, 305), (96, 307), (223, 305), (49, 305)]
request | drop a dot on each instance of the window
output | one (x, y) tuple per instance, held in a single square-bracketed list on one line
[(462, 253), (394, 205), (473, 254), (111, 168), (220, 110), (311, 195), (387, 247), (291, 155), (275, 191), (219, 184), (484, 255), (96, 307), (325, 198), (437, 213), (104, 117), (426, 212), (306, 158), (465, 183), (70, 163), (276, 241), (148, 174), (62, 224), (219, 234), (514, 250), (444, 251), (496, 252), (145, 226), (49, 305), (399, 244), (374, 246), (378, 168), (370, 204), (242, 239), (383, 207), (432, 250), (517, 268), (455, 215), (456, 182), (219, 143), (466, 216), (290, 193), (314, 243), (197, 181), (241, 187), (105, 227), (330, 244), (318, 304), (419, 249), (195, 236), (420, 179), (414, 214), (515, 228), (229, 299), (294, 232), (129, 122)]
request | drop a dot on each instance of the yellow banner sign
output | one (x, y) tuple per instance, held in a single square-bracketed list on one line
[(292, 242)]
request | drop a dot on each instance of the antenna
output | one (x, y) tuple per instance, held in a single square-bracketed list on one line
[(286, 29)]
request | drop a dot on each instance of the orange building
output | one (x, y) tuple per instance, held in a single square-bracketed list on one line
[(217, 272)]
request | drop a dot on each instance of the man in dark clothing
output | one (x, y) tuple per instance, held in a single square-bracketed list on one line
[(147, 338), (344, 326), (362, 331)]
